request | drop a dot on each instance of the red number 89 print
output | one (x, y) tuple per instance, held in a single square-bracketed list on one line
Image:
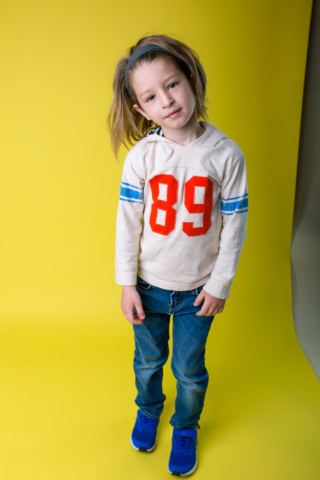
[(172, 198)]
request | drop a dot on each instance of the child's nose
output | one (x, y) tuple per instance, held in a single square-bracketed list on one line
[(166, 99)]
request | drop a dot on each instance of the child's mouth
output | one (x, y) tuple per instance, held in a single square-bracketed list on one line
[(173, 114)]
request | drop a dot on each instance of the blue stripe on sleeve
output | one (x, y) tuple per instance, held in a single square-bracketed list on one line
[(234, 198), (229, 206), (132, 186), (130, 201), (131, 193)]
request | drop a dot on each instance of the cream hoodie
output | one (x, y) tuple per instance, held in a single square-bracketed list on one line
[(182, 213)]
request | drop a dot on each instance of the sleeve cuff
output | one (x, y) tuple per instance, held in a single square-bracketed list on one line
[(126, 278), (217, 289)]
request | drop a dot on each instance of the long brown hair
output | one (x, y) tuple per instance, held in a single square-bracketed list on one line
[(125, 124)]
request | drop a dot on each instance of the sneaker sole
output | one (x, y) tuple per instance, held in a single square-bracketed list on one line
[(178, 474), (142, 449)]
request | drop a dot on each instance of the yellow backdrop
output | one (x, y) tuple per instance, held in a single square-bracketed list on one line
[(67, 385)]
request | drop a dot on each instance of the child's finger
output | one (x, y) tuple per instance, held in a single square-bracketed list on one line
[(204, 310), (207, 310), (139, 310), (132, 317), (137, 321), (199, 298)]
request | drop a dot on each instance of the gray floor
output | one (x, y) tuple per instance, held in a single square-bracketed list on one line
[(305, 247)]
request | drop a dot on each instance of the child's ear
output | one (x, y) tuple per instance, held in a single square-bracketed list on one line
[(142, 112)]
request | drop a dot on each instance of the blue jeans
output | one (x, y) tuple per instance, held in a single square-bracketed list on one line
[(190, 333)]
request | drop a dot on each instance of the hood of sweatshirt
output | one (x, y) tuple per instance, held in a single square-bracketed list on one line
[(210, 138)]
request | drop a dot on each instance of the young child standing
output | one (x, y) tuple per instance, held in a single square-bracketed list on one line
[(181, 225)]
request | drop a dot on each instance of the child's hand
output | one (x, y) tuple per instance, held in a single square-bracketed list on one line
[(131, 301), (211, 305)]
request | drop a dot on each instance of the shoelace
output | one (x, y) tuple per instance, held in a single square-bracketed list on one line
[(146, 421), (183, 444)]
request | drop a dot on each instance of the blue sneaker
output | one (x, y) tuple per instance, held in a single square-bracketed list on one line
[(183, 458), (144, 433)]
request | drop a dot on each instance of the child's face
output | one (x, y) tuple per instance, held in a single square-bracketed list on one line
[(164, 94)]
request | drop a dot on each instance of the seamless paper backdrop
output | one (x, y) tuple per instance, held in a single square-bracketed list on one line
[(67, 388)]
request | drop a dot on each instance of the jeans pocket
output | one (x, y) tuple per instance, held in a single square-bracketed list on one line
[(143, 284), (198, 289)]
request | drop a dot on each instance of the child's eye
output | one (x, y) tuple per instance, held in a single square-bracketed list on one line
[(150, 98), (172, 84)]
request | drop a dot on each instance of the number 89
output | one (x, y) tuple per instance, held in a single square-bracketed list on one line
[(172, 198)]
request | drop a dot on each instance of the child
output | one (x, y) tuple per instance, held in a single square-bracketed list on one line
[(181, 225)]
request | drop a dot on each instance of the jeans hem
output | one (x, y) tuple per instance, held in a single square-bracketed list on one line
[(147, 414), (195, 426)]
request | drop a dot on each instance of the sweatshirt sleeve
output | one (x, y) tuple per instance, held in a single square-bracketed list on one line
[(234, 210), (129, 220)]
